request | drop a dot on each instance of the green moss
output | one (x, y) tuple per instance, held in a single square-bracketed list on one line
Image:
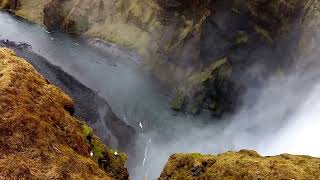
[(113, 162), (221, 69), (244, 164), (200, 77), (117, 160), (219, 63), (98, 149), (242, 37), (202, 83), (177, 102), (222, 66), (264, 33), (195, 106), (192, 109), (195, 155), (86, 130)]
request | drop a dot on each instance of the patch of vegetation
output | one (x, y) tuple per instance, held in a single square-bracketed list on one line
[(177, 102), (242, 37), (98, 149), (221, 66), (264, 33), (112, 161), (86, 130), (245, 164), (195, 106)]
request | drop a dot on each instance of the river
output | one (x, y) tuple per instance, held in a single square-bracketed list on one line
[(140, 100)]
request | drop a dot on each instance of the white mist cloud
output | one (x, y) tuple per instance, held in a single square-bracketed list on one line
[(300, 135), (282, 117)]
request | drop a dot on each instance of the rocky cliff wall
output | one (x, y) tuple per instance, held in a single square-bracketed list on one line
[(182, 40)]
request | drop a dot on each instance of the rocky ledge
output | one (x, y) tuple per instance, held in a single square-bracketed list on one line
[(39, 137), (244, 164)]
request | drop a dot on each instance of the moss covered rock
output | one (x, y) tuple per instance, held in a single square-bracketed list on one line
[(207, 89), (244, 164), (177, 101), (40, 139)]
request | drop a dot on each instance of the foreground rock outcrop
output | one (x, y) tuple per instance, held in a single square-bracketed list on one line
[(244, 164), (90, 107), (39, 137)]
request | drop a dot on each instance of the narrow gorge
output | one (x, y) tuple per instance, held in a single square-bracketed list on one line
[(160, 81)]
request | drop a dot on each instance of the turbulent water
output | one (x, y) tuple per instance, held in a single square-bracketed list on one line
[(277, 120)]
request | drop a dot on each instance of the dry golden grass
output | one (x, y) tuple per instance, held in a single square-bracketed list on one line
[(39, 139), (32, 10), (244, 164)]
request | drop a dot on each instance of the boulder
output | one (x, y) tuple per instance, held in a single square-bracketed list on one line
[(245, 164)]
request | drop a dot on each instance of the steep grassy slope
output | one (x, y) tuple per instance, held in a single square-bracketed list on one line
[(31, 10), (39, 138), (240, 165)]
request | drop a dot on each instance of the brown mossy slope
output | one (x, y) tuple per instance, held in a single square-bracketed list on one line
[(39, 138), (244, 164)]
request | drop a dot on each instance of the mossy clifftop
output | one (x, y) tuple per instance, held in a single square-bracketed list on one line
[(244, 164), (39, 137)]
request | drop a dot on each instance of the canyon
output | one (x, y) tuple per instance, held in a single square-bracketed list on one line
[(219, 63)]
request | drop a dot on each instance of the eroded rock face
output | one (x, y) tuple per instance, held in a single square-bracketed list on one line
[(181, 39), (39, 136), (244, 164), (53, 14)]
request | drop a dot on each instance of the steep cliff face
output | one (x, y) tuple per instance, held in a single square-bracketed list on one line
[(309, 42), (39, 137), (240, 165), (182, 40)]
